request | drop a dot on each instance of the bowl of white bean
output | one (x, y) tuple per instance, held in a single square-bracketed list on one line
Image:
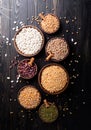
[(29, 40)]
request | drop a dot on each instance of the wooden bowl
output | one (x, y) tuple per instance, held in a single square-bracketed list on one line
[(56, 28), (25, 77), (51, 113), (29, 108), (19, 51), (56, 60), (55, 92)]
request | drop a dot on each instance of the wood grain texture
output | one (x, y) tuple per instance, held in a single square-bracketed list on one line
[(78, 13), (0, 24)]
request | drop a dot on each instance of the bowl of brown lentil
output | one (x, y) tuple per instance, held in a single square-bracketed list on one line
[(29, 97), (57, 49), (53, 78), (29, 41), (50, 23)]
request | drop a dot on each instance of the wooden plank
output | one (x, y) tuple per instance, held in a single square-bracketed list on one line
[(5, 18), (55, 6), (32, 11), (5, 32), (5, 63), (48, 6), (41, 6), (18, 14), (0, 24)]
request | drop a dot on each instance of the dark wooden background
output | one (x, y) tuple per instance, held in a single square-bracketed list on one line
[(75, 103)]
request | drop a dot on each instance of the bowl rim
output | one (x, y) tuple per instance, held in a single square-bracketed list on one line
[(31, 86), (57, 27), (46, 91), (56, 109), (19, 72), (54, 39), (19, 30)]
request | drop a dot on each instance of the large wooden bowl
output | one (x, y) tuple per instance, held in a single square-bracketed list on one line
[(46, 91), (19, 51)]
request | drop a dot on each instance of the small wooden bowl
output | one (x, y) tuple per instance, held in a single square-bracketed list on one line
[(20, 73), (52, 120), (56, 28), (55, 60), (46, 91), (15, 45), (28, 92)]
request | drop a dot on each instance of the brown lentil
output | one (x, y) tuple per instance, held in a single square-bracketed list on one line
[(58, 47)]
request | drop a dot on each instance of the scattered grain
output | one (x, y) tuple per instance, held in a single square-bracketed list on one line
[(84, 103), (12, 81), (72, 83), (70, 113), (67, 31), (8, 77), (82, 90), (11, 112), (3, 36), (5, 54), (72, 40), (67, 21), (46, 7), (72, 20), (75, 43), (15, 22)]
